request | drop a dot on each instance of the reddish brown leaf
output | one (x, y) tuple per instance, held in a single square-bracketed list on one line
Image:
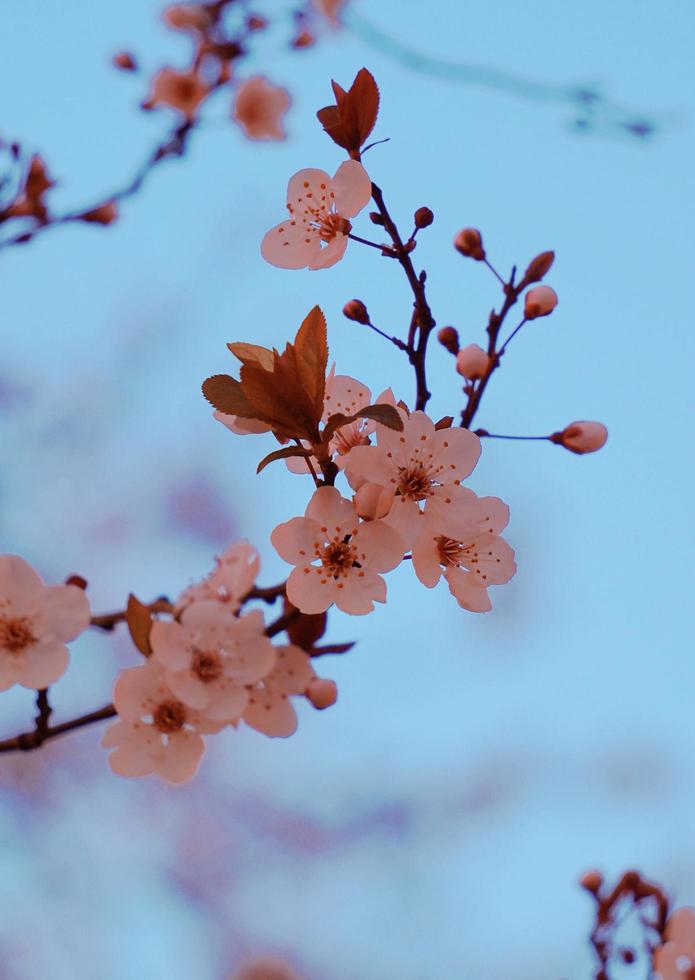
[(139, 620), (283, 453), (351, 120), (364, 97), (226, 395), (311, 350), (252, 353)]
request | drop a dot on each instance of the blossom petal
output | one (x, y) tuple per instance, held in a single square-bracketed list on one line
[(331, 511), (171, 644), (226, 701), (310, 590), (291, 246), (295, 540), (138, 748), (492, 560), (64, 612), (181, 756), (292, 672), (44, 663), (138, 690), (188, 688), (359, 593), (273, 716), (309, 189), (331, 253), (21, 588), (379, 545), (454, 512), (344, 394), (495, 514), (351, 187), (467, 591), (426, 560), (456, 453)]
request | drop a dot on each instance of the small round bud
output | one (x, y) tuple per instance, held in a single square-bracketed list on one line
[(124, 61), (105, 214), (539, 267), (472, 362), (582, 437), (423, 218), (469, 242), (355, 310), (539, 301), (448, 337), (77, 580), (376, 218), (322, 693), (591, 881), (373, 501), (303, 40), (254, 22)]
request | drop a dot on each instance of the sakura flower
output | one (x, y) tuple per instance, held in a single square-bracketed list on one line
[(36, 621), (338, 558), (472, 362), (235, 572), (582, 437), (181, 90), (316, 233), (269, 709), (470, 564), (259, 108), (675, 960), (210, 655), (155, 731), (419, 465)]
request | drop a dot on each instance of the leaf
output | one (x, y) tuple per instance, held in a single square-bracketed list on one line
[(445, 422), (311, 349), (283, 453), (252, 354), (387, 415), (139, 620), (334, 422), (226, 395), (351, 120), (364, 97), (266, 392)]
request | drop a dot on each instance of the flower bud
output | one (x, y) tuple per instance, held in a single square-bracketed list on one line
[(539, 301), (376, 218), (448, 337), (472, 362), (591, 881), (322, 693), (423, 218), (355, 310), (469, 242), (256, 23), (373, 501), (539, 267), (187, 17), (105, 214), (303, 40), (124, 61), (582, 437)]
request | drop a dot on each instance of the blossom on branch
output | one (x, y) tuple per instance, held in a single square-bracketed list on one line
[(36, 621), (259, 108), (235, 572), (316, 233), (210, 655), (180, 90), (269, 709), (337, 556), (156, 732), (675, 960)]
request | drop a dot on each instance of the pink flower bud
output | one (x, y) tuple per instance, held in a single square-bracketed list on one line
[(472, 362), (355, 310), (373, 501), (582, 437), (124, 61), (539, 301), (423, 218), (539, 267), (592, 881), (448, 337), (469, 242), (322, 693)]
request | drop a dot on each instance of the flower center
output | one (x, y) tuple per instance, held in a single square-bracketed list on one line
[(15, 634), (452, 553), (338, 557), (414, 482), (330, 225), (169, 716), (207, 665), (349, 436)]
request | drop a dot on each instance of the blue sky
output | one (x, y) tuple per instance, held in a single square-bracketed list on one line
[(434, 822)]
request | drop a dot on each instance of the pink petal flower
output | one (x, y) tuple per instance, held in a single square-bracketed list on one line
[(269, 708), (315, 233), (234, 575), (180, 90), (259, 108)]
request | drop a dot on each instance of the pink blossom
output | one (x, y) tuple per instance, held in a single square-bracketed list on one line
[(155, 732), (180, 90), (419, 465), (235, 572), (539, 301), (675, 960), (315, 234), (338, 558), (473, 562), (331, 10), (472, 362), (269, 709), (187, 17), (259, 108), (583, 437), (210, 655), (36, 621)]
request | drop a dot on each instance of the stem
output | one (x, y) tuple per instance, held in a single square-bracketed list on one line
[(494, 271), (394, 340), (384, 249), (514, 332), (484, 434)]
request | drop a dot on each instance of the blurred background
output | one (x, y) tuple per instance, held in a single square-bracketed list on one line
[(433, 824)]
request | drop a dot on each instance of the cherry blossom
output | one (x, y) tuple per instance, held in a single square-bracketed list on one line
[(675, 960), (210, 655), (36, 621), (180, 90), (473, 562), (259, 108), (472, 362), (582, 437), (155, 732), (235, 572), (316, 233), (269, 709), (322, 693), (419, 465), (539, 301), (350, 554)]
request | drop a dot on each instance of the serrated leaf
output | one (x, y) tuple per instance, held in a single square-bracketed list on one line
[(253, 354), (364, 97), (283, 453), (226, 395), (139, 621), (351, 120), (272, 401), (387, 415), (311, 351)]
